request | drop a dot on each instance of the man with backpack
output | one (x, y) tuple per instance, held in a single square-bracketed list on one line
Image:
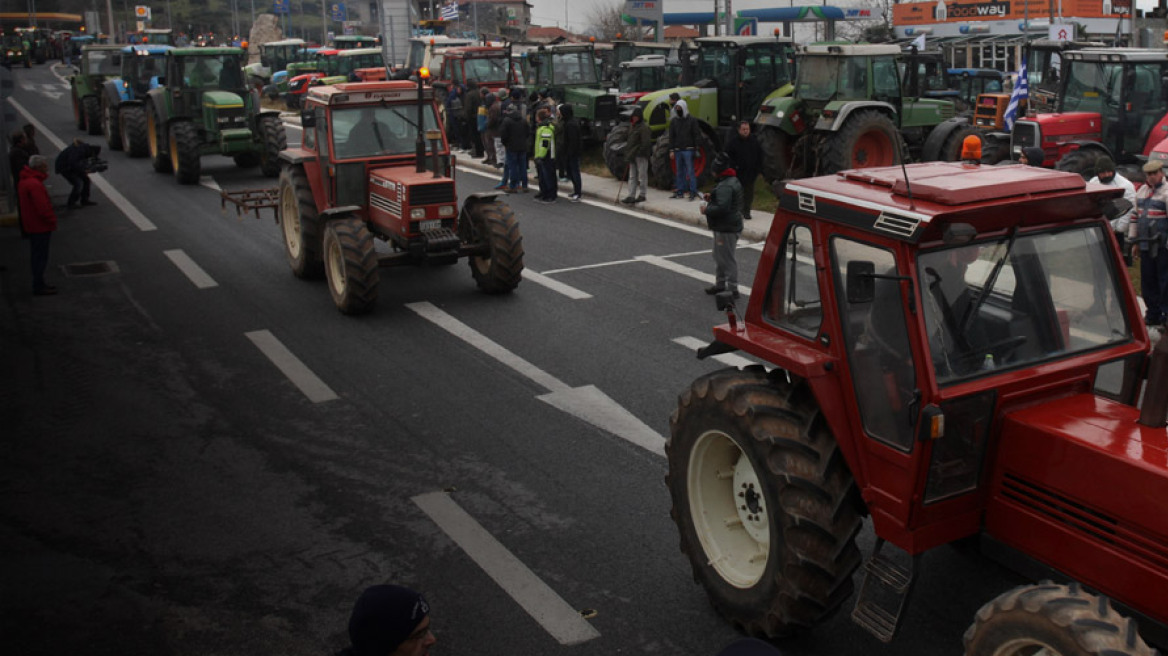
[(545, 157)]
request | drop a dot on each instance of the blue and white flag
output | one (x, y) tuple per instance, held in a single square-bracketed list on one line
[(1021, 92), (450, 11)]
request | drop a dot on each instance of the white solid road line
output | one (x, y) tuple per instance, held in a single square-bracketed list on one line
[(704, 276), (296, 371), (728, 359), (563, 622), (587, 402), (137, 218), (192, 270), (555, 285)]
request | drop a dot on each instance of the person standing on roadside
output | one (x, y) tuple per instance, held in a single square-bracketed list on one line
[(37, 219), (30, 134), (570, 148), (18, 155), (471, 103), (746, 156), (1148, 231), (389, 620), (514, 136), (545, 157), (723, 210), (684, 137), (1106, 175), (638, 148), (493, 124)]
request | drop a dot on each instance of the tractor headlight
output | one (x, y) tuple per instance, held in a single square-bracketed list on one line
[(418, 213), (446, 210)]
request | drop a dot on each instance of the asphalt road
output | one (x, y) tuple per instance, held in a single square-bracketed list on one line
[(169, 489)]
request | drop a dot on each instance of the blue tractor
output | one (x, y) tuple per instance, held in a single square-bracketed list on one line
[(123, 110)]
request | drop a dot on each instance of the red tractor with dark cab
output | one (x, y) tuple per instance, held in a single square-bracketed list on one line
[(363, 173), (952, 352)]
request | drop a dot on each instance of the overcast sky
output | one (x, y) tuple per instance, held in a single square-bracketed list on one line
[(551, 12)]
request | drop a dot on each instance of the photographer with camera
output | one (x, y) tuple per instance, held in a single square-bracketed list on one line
[(74, 164)]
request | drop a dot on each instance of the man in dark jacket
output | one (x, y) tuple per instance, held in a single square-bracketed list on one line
[(572, 145), (37, 219), (470, 104), (745, 154), (684, 138), (494, 124), (71, 166), (638, 148), (18, 154), (723, 212), (514, 136)]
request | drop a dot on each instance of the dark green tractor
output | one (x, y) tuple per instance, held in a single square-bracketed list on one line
[(204, 107), (571, 74), (98, 63)]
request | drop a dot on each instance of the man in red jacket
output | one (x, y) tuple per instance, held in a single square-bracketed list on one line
[(38, 219)]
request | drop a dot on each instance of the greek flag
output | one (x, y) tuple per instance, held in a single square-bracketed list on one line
[(450, 11), (1021, 92)]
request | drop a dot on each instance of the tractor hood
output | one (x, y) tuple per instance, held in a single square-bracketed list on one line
[(222, 99), (1069, 124)]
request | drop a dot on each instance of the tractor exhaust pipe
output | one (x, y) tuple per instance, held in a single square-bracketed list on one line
[(1154, 411)]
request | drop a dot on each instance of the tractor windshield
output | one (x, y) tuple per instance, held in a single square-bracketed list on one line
[(346, 65), (574, 68), (1093, 87), (416, 56), (103, 62), (221, 72), (645, 78), (827, 78), (482, 69), (1020, 300), (372, 131)]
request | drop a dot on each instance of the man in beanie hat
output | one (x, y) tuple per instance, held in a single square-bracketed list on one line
[(1105, 175), (636, 154), (1032, 156), (1147, 232), (724, 217), (390, 620)]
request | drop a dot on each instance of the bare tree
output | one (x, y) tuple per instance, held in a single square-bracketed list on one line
[(605, 23)]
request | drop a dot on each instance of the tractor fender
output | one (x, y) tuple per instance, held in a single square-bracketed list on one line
[(776, 112), (343, 209), (846, 109), (113, 93), (478, 197), (931, 151), (1082, 144), (296, 156)]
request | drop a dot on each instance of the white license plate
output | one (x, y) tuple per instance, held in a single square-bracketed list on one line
[(432, 224)]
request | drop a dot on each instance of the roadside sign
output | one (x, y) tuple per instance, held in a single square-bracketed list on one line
[(142, 12), (1062, 32)]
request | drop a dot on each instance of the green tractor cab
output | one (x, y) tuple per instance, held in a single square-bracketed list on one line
[(97, 64), (571, 75), (274, 56), (205, 107)]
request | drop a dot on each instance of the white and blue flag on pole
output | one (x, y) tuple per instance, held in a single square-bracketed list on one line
[(1021, 92), (450, 11)]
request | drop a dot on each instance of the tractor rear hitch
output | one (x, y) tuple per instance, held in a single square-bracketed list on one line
[(250, 200)]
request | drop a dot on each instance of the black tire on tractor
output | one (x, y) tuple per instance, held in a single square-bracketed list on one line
[(157, 141), (185, 158), (350, 264), (1057, 620), (134, 130), (274, 140), (785, 562), (78, 113), (1081, 161), (614, 151), (868, 138), (111, 125), (92, 108), (247, 160), (776, 154), (951, 149), (300, 224), (493, 224), (662, 171)]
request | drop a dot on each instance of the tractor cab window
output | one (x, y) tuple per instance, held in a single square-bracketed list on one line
[(885, 85), (486, 70), (211, 72), (716, 64), (416, 57), (378, 130), (573, 68), (103, 62), (872, 299), (793, 300), (1018, 301), (1093, 87), (830, 78)]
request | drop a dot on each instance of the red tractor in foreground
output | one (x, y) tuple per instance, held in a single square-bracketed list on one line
[(953, 351), (362, 173)]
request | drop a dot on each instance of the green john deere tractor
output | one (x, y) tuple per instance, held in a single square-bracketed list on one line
[(205, 107), (98, 64)]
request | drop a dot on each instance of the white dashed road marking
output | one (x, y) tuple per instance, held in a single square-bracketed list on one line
[(296, 371), (190, 269)]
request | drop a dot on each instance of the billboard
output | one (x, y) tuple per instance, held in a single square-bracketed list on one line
[(958, 11)]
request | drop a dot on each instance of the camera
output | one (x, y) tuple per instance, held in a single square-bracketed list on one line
[(95, 165)]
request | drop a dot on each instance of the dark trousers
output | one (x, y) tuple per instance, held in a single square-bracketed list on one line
[(747, 195), (548, 183), (515, 169), (39, 249), (474, 139), (80, 182), (572, 172), (1154, 285)]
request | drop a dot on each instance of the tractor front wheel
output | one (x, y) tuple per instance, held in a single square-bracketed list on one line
[(351, 265), (111, 126), (1055, 620), (776, 154), (493, 223), (92, 108), (954, 143), (156, 141), (300, 224), (869, 138), (274, 141), (767, 510), (133, 129), (184, 152), (1081, 161), (614, 151)]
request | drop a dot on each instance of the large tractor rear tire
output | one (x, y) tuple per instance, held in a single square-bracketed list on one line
[(767, 510), (1055, 620), (614, 151), (350, 265), (1081, 161), (493, 222), (274, 141), (157, 140), (663, 171), (92, 107), (300, 224), (111, 126), (951, 149), (185, 157), (869, 138), (776, 154), (134, 131)]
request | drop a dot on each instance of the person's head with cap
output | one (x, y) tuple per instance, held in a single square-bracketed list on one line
[(1032, 155), (971, 149), (390, 620), (1154, 172), (723, 166), (1105, 169)]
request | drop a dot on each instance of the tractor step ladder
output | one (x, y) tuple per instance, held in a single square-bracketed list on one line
[(884, 593)]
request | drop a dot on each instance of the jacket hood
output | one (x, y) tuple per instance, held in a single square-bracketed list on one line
[(684, 107), (638, 112), (1034, 155), (29, 172), (566, 110)]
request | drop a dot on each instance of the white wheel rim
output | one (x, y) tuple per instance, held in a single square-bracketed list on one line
[(729, 513), (336, 267), (290, 221), (1025, 647)]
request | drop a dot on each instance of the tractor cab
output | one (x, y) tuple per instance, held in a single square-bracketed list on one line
[(645, 74), (101, 61), (489, 67), (1044, 70), (740, 73), (351, 41), (276, 55), (571, 74), (192, 73), (624, 51), (923, 75), (142, 66)]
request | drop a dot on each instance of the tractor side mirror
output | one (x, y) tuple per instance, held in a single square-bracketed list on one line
[(1116, 207), (860, 285), (307, 118)]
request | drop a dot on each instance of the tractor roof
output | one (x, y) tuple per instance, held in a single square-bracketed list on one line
[(989, 197), (146, 49), (1117, 54), (740, 40), (102, 46), (645, 61), (206, 52), (442, 40), (851, 50), (283, 42), (357, 52), (476, 51), (368, 93)]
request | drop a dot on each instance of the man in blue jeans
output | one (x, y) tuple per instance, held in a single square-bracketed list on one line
[(684, 138)]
